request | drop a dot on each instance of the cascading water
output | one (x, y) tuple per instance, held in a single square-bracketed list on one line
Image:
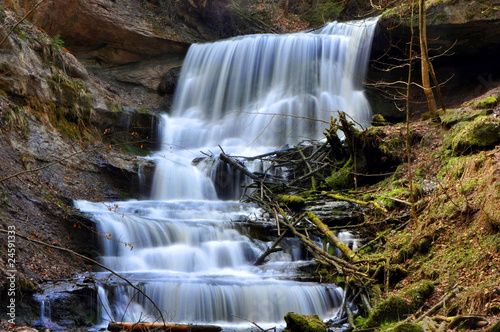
[(248, 95)]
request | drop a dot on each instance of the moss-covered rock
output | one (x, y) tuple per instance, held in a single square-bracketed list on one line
[(378, 120), (428, 115), (452, 117), (481, 134), (488, 102), (304, 323), (397, 306)]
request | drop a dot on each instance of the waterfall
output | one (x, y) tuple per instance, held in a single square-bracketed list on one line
[(184, 247)]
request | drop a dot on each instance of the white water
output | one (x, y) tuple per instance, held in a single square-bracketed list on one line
[(250, 95)]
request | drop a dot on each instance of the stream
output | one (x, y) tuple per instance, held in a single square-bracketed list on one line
[(184, 246)]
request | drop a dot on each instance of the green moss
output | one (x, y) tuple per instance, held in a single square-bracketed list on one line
[(294, 202), (359, 321), (392, 309), (26, 286), (4, 198), (378, 120), (406, 327), (401, 193), (480, 134), (452, 116), (134, 150), (322, 12), (342, 178), (428, 115), (397, 306), (115, 108), (304, 323), (488, 102)]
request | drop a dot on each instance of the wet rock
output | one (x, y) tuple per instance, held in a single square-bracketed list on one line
[(69, 303), (23, 72), (147, 74), (102, 32), (168, 82)]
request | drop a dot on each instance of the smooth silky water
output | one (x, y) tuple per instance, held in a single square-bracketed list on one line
[(249, 95)]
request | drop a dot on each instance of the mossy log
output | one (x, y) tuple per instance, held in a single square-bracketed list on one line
[(342, 266), (351, 255), (348, 199), (145, 326)]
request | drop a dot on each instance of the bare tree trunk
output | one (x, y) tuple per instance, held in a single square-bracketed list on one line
[(431, 102), (408, 143)]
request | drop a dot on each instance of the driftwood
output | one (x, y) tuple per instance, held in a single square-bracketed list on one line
[(145, 326)]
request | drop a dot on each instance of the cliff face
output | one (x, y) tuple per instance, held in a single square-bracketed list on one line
[(101, 32)]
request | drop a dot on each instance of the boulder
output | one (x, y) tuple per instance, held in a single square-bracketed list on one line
[(481, 134), (304, 323)]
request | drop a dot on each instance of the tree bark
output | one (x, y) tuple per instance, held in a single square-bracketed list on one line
[(429, 95)]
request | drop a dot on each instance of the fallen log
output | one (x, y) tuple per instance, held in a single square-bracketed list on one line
[(145, 326), (351, 255)]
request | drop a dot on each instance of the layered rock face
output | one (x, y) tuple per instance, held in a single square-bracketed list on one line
[(101, 32), (144, 39)]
